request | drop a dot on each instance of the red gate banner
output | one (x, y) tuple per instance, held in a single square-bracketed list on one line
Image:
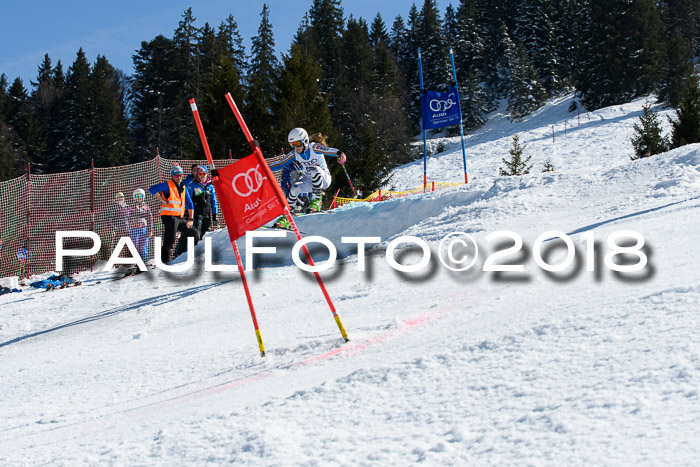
[(248, 196)]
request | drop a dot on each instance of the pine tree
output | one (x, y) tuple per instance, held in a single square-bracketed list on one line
[(468, 45), (622, 55), (7, 159), (500, 50), (45, 100), (373, 172), (682, 16), (377, 33), (356, 58), (399, 41), (468, 56), (298, 101), (473, 102), (686, 126), (525, 94), (153, 95), (27, 141), (449, 25), (436, 63), (548, 166), (535, 28), (567, 34), (261, 78), (76, 116), (223, 133), (209, 54), (386, 77), (231, 45), (648, 134), (516, 165), (678, 69), (109, 141), (185, 54), (326, 25), (186, 68), (410, 65), (3, 96)]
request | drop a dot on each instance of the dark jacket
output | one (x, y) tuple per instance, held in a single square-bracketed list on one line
[(203, 197)]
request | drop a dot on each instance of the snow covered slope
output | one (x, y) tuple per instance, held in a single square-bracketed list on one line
[(443, 367)]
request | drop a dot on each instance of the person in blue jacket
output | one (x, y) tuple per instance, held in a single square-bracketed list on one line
[(192, 175), (203, 195), (175, 200)]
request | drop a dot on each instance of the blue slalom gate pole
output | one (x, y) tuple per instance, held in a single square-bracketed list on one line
[(422, 124), (459, 108)]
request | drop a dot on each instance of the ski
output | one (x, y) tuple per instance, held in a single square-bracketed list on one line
[(277, 227), (65, 285)]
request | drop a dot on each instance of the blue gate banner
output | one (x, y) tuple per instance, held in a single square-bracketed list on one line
[(440, 108)]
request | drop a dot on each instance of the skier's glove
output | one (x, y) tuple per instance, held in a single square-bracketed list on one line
[(214, 173), (341, 158)]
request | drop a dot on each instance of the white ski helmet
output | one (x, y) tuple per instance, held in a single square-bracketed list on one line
[(139, 194), (298, 134)]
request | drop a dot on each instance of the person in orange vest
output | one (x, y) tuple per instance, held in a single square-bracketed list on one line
[(174, 200)]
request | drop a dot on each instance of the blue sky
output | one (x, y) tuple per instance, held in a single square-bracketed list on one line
[(116, 29)]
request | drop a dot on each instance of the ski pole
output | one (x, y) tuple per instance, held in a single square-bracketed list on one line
[(349, 181)]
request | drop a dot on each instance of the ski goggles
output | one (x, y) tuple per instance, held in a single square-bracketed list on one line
[(296, 144), (138, 196)]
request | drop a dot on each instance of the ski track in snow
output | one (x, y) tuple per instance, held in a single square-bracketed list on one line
[(575, 367)]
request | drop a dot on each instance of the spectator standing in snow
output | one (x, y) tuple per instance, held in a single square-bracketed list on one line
[(203, 195), (192, 175), (308, 169), (117, 221), (175, 200), (141, 224), (119, 216)]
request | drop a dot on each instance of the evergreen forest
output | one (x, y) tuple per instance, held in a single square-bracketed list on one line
[(354, 80)]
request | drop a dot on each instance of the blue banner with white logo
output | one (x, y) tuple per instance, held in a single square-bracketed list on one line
[(440, 109)]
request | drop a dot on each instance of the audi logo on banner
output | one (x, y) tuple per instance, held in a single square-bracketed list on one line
[(437, 105), (249, 182)]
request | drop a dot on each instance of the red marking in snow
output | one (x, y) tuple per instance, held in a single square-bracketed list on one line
[(350, 349)]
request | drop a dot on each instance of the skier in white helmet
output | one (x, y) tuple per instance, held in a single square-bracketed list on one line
[(309, 170)]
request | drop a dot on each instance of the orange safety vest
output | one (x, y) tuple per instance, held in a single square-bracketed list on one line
[(175, 205)]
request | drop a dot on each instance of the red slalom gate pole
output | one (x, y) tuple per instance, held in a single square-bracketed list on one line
[(236, 252), (255, 146)]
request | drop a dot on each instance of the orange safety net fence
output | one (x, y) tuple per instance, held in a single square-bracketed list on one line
[(34, 207)]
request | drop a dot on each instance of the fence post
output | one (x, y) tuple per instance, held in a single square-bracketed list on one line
[(29, 219), (158, 159), (433, 186), (379, 196), (92, 202)]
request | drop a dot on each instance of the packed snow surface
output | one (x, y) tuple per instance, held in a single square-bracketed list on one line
[(581, 366)]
